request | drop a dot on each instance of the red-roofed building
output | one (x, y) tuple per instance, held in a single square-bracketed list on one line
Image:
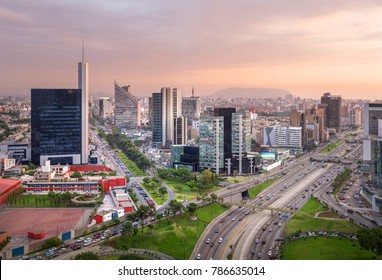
[(89, 168), (7, 187)]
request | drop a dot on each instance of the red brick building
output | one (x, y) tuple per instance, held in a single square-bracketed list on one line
[(7, 187)]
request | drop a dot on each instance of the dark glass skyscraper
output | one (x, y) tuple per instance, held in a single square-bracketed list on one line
[(56, 125)]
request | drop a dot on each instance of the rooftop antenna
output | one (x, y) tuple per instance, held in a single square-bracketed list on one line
[(193, 90), (83, 51)]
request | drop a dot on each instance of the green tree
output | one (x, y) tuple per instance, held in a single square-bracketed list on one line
[(86, 256), (214, 197), (371, 239), (191, 208), (76, 174)]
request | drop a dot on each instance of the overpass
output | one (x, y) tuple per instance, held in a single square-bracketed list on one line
[(331, 159)]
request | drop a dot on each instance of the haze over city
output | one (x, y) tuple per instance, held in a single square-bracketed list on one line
[(305, 47)]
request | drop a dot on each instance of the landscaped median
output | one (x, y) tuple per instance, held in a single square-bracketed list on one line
[(255, 190), (173, 236), (323, 246), (131, 165), (331, 147)]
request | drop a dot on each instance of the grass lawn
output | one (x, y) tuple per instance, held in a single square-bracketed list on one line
[(131, 165), (159, 200), (254, 191), (304, 223), (182, 189), (325, 248), (237, 179), (331, 147), (176, 236), (312, 207), (38, 201)]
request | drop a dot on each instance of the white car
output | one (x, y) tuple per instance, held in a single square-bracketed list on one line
[(220, 240), (208, 241), (198, 256), (80, 239)]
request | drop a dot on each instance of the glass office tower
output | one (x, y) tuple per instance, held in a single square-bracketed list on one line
[(56, 126)]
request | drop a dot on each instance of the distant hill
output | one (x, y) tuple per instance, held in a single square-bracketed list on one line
[(251, 92)]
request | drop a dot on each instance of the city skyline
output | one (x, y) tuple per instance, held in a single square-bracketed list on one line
[(305, 47)]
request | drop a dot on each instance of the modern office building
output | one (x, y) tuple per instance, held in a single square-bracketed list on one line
[(372, 154), (105, 107), (283, 137), (241, 137), (211, 143), (356, 116), (127, 112), (83, 85), (166, 106), (56, 126), (21, 151), (332, 111), (180, 131), (191, 107), (185, 157), (226, 113)]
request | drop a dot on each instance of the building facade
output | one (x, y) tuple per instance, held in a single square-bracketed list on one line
[(166, 106), (105, 107), (56, 126), (241, 137), (127, 112), (211, 143), (332, 111)]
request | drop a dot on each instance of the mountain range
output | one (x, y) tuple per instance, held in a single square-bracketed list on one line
[(251, 92)]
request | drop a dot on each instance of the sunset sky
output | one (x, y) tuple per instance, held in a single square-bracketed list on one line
[(307, 47)]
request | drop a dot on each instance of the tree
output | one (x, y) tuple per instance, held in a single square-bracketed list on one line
[(162, 191), (127, 177), (191, 208), (76, 175), (371, 239), (127, 228), (86, 256), (214, 197)]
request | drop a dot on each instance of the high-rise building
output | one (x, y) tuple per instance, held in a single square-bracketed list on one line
[(283, 137), (191, 106), (166, 106), (332, 111), (211, 143), (83, 85), (105, 107), (241, 137), (56, 126), (180, 131), (372, 113), (127, 112), (226, 113), (356, 116), (372, 154)]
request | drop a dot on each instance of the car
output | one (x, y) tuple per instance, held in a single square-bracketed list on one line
[(264, 241), (246, 213), (62, 250), (88, 239), (270, 229), (270, 253), (233, 219), (208, 241), (81, 239), (257, 241), (212, 244), (240, 219), (253, 252), (217, 230), (222, 220), (229, 213), (259, 255), (198, 256), (280, 225), (87, 243), (220, 239)]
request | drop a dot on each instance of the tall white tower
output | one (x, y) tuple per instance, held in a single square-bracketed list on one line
[(83, 84)]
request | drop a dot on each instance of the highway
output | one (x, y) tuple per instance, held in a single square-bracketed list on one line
[(252, 232)]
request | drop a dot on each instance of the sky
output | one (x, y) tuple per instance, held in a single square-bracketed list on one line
[(307, 47)]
